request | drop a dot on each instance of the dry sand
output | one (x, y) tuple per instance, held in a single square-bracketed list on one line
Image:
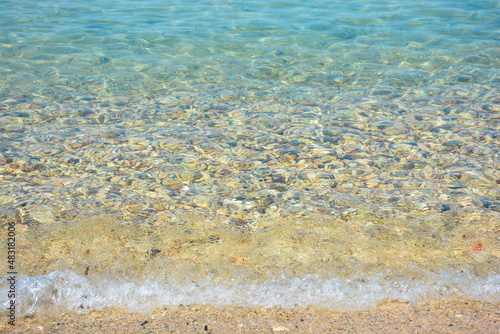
[(458, 316)]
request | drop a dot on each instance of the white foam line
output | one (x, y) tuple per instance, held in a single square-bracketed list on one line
[(67, 291)]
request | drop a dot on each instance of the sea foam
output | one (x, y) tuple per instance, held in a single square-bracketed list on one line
[(67, 291)]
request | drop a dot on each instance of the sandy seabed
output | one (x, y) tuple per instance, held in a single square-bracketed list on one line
[(457, 316)]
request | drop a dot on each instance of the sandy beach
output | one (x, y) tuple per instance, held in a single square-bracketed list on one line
[(457, 316)]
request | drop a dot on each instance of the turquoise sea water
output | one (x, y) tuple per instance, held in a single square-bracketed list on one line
[(67, 51), (287, 147)]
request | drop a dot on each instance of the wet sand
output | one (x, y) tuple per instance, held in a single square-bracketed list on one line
[(457, 316)]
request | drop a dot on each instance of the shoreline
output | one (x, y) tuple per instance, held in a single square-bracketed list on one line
[(454, 316)]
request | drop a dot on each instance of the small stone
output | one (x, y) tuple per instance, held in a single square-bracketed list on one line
[(381, 92), (445, 207), (393, 131), (135, 147), (453, 143), (422, 206), (464, 79), (159, 207), (350, 148), (468, 115)]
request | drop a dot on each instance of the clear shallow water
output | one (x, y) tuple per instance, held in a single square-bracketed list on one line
[(63, 51), (229, 138)]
